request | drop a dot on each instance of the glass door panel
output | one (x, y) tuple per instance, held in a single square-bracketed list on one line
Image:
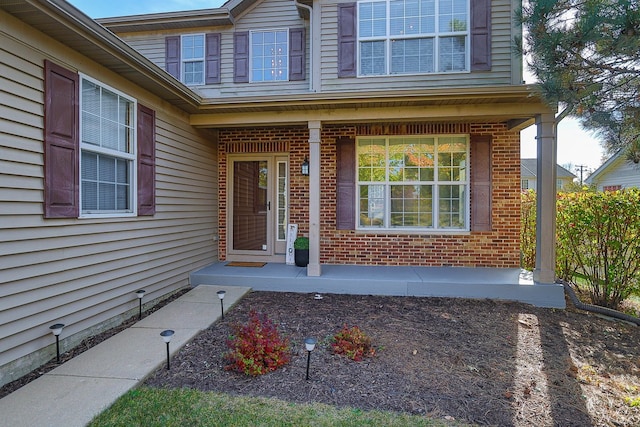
[(250, 205)]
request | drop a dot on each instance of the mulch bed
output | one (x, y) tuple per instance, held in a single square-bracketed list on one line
[(477, 361)]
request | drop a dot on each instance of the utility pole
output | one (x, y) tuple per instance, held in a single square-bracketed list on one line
[(581, 169)]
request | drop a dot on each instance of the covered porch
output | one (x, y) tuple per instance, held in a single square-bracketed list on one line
[(509, 284)]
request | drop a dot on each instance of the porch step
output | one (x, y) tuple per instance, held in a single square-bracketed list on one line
[(458, 282)]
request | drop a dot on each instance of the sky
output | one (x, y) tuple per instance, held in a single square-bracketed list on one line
[(575, 146)]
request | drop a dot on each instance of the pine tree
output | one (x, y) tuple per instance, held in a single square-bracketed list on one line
[(586, 56)]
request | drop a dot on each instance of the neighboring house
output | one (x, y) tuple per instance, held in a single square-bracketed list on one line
[(118, 175), (528, 175), (615, 174)]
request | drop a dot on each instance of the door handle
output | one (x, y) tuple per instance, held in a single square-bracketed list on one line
[(268, 206)]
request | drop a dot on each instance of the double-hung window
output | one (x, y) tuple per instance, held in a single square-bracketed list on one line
[(107, 145), (413, 182), (269, 56), (413, 36), (192, 56)]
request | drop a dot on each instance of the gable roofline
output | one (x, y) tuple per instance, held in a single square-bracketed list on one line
[(169, 21), (63, 22), (603, 169), (217, 17)]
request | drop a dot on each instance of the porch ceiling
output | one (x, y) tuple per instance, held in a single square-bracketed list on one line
[(516, 105)]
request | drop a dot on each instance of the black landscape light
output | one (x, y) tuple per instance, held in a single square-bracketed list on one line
[(309, 344), (140, 294), (57, 330), (166, 336), (221, 295)]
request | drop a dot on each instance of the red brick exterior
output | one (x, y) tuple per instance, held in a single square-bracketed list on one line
[(497, 248)]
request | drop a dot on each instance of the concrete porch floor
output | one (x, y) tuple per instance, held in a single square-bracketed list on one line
[(460, 282)]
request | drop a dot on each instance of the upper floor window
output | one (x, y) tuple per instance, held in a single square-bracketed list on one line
[(413, 183), (107, 146), (269, 56), (413, 36), (192, 55)]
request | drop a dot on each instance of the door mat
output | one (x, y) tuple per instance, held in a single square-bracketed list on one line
[(245, 264)]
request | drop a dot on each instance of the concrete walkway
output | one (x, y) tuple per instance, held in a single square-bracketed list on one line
[(75, 392)]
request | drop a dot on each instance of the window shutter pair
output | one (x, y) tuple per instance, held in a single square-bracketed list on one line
[(480, 186), (62, 147), (212, 63), (297, 57), (480, 37)]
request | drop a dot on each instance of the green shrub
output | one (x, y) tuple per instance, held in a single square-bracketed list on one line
[(257, 347), (528, 230), (599, 239), (353, 343), (301, 243)]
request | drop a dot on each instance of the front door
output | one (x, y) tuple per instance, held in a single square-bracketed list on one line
[(259, 207)]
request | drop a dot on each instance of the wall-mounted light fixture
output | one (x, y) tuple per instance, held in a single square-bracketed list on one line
[(304, 169)]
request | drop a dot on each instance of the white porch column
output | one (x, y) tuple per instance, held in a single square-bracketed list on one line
[(313, 269), (544, 271)]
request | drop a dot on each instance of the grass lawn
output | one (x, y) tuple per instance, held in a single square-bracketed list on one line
[(185, 407)]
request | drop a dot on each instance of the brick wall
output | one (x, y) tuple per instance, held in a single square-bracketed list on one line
[(498, 248)]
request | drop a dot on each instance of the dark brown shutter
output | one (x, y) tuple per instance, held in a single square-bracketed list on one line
[(146, 161), (347, 39), (212, 59), (346, 183), (480, 183), (61, 142), (172, 56), (297, 48), (480, 35), (241, 57)]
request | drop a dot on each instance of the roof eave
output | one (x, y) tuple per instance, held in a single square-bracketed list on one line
[(65, 23)]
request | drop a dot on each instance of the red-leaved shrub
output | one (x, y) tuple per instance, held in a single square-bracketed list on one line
[(353, 343), (257, 347)]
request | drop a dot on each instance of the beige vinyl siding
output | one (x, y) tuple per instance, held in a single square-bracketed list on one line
[(501, 58), (266, 15), (152, 46), (83, 272)]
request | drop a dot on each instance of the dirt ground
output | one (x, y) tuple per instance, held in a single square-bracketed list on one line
[(481, 362)]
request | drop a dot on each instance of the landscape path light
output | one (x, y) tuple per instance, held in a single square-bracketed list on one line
[(57, 330), (221, 295), (140, 294), (309, 344), (166, 336)]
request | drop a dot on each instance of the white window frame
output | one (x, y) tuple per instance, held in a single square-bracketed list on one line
[(436, 36), (286, 55), (434, 229), (130, 157), (201, 60)]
